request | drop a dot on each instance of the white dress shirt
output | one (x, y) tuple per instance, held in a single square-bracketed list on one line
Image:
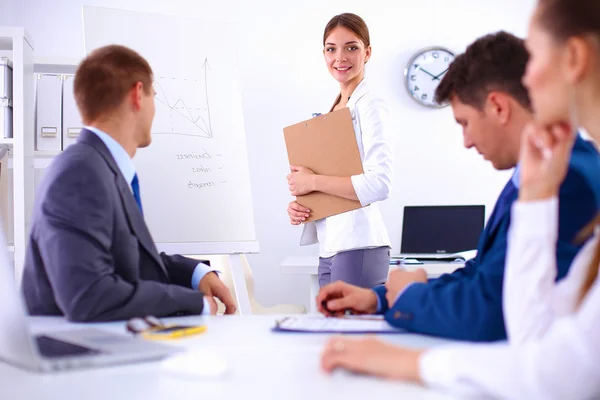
[(362, 228), (554, 350), (127, 168)]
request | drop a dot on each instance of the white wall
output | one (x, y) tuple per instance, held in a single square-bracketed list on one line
[(7, 12), (284, 80)]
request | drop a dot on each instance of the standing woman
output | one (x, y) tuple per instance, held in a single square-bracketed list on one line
[(553, 328), (353, 246)]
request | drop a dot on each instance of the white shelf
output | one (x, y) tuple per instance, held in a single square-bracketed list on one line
[(55, 65), (8, 33), (46, 153), (18, 46), (41, 159), (42, 162), (6, 43), (45, 60)]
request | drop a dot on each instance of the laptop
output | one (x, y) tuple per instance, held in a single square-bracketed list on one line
[(440, 233), (64, 349)]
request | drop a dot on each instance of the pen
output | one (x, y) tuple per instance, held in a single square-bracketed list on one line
[(363, 317), (278, 322)]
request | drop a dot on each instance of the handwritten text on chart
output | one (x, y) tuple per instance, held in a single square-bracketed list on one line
[(194, 156), (200, 185), (201, 168)]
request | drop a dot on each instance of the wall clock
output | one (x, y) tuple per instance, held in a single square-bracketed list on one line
[(424, 72)]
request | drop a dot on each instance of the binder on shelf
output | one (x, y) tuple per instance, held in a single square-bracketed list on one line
[(48, 102), (71, 120), (6, 98), (6, 118), (6, 78)]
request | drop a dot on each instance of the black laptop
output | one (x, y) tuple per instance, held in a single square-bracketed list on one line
[(440, 232)]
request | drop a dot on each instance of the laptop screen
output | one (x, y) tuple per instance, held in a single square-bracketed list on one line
[(441, 229)]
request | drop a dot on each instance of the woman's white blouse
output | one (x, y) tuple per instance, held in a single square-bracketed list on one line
[(554, 350)]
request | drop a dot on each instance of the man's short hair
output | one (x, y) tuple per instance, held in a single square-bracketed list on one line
[(104, 78), (494, 62)]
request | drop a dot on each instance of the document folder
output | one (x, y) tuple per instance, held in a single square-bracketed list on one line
[(71, 122), (325, 144), (48, 112), (347, 324)]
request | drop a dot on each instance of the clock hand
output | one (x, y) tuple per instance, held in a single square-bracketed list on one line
[(438, 76), (430, 74)]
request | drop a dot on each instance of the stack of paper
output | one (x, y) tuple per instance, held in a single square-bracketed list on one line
[(346, 324)]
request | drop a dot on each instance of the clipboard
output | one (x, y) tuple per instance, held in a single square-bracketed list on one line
[(326, 144), (329, 325)]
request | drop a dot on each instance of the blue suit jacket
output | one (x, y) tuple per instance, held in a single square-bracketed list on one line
[(467, 304)]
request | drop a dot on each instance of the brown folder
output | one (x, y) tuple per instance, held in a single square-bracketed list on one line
[(326, 145)]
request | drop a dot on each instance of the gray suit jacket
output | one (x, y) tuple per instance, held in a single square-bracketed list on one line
[(90, 255)]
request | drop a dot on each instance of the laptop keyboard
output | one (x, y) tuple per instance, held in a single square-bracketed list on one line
[(53, 348)]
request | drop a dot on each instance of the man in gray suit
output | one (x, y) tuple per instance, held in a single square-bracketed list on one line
[(90, 256)]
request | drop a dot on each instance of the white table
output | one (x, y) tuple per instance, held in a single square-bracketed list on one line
[(262, 365), (308, 265)]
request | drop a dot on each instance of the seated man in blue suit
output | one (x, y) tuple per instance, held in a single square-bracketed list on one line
[(90, 255), (493, 107)]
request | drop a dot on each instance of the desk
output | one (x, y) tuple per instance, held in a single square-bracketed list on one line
[(262, 365), (307, 265)]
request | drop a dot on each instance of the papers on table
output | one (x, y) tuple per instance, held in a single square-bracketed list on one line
[(346, 324)]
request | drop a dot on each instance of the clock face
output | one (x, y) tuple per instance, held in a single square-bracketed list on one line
[(424, 72)]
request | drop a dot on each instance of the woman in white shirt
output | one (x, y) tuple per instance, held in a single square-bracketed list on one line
[(353, 246), (553, 329)]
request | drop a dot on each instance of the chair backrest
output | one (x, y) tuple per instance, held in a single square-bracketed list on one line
[(221, 262)]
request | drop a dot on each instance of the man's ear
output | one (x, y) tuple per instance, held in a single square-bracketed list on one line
[(136, 95), (499, 105)]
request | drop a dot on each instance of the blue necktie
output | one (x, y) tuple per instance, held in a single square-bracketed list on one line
[(135, 185)]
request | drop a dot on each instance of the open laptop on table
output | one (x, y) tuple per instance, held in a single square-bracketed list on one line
[(440, 233), (64, 349)]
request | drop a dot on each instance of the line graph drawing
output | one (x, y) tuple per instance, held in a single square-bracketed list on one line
[(183, 109), (183, 106)]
